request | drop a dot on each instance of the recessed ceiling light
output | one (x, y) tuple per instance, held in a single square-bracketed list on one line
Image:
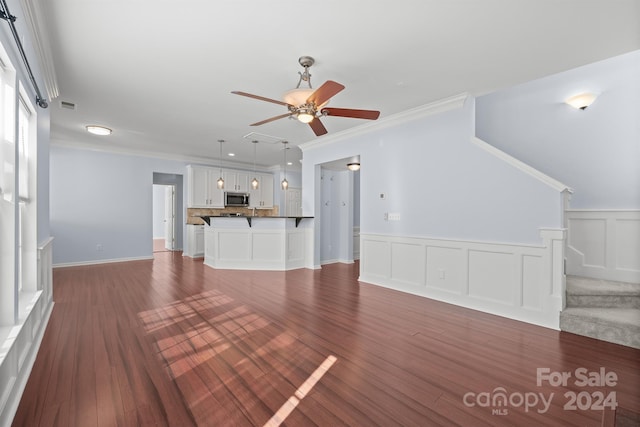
[(231, 154), (98, 130)]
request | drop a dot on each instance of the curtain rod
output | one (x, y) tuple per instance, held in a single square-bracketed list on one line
[(6, 15)]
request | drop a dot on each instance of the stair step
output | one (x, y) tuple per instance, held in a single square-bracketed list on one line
[(616, 325), (587, 292)]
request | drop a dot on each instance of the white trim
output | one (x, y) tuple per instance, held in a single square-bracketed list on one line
[(101, 261), (602, 244), (36, 21), (446, 104), (545, 179), (521, 282)]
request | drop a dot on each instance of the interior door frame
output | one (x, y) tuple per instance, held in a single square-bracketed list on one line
[(169, 217)]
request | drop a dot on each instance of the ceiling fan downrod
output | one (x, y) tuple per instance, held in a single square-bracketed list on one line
[(306, 62)]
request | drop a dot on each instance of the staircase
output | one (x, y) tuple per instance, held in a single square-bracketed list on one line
[(602, 309)]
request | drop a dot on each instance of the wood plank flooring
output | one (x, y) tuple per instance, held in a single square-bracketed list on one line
[(171, 342)]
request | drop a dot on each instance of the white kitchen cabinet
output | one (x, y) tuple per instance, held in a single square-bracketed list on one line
[(235, 181), (203, 191), (195, 241), (262, 198)]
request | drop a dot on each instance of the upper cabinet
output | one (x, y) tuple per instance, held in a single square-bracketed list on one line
[(236, 181), (262, 198), (203, 191)]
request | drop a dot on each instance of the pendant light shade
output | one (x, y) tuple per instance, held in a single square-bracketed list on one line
[(254, 182), (285, 184), (220, 181)]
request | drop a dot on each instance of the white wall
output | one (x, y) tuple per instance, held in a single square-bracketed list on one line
[(105, 199), (594, 151)]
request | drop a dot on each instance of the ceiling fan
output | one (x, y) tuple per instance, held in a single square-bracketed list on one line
[(308, 105)]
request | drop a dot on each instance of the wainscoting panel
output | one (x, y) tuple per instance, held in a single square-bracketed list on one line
[(268, 246), (18, 352), (284, 246), (531, 278), (377, 262), (522, 282), (407, 263), (496, 269), (604, 244), (447, 269)]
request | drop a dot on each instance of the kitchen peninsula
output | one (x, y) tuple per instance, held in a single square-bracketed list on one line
[(258, 242)]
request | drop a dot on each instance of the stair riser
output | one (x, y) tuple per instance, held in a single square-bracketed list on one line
[(604, 301), (628, 336)]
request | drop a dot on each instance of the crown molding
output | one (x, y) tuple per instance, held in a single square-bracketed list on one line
[(36, 19), (440, 106), (205, 161)]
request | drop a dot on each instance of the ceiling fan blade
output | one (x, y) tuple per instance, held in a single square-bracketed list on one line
[(281, 116), (324, 92), (261, 98), (349, 112), (318, 127)]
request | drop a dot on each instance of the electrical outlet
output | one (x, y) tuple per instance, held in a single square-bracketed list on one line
[(441, 273), (386, 216), (99, 247)]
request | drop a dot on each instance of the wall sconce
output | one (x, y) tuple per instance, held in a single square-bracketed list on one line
[(581, 100)]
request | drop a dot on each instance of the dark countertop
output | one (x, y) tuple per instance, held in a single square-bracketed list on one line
[(249, 218)]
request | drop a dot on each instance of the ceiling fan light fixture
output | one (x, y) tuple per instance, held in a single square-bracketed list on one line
[(297, 97), (305, 117)]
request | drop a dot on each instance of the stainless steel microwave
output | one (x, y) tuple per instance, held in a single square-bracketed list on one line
[(236, 199)]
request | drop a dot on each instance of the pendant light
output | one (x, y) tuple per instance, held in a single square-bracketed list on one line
[(254, 182), (285, 184), (220, 180)]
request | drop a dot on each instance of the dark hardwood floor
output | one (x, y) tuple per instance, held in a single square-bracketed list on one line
[(172, 342)]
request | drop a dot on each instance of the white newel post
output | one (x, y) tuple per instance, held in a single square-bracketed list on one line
[(554, 241)]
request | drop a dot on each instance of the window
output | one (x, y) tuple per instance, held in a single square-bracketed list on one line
[(18, 215)]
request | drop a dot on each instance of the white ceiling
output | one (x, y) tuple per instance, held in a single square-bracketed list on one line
[(160, 73)]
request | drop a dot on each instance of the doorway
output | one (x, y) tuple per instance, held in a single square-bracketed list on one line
[(167, 214), (164, 217), (339, 213)]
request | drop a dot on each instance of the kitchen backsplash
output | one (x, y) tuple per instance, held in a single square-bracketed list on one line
[(194, 213)]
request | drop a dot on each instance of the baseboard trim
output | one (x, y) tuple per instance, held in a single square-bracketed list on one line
[(101, 261)]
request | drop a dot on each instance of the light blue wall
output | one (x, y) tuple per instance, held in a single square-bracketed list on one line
[(105, 199), (158, 211), (442, 185), (595, 151)]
